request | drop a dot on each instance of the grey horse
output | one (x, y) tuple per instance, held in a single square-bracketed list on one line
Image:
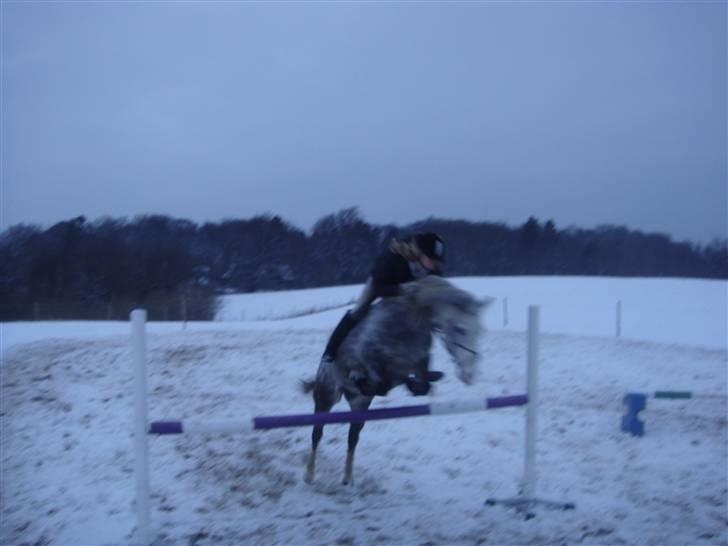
[(391, 344)]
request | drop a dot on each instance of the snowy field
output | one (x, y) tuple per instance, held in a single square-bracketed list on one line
[(67, 404)]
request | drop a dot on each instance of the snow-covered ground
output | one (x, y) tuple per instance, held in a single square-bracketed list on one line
[(676, 311), (67, 404)]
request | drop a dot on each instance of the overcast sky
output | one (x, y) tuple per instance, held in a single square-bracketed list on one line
[(588, 113)]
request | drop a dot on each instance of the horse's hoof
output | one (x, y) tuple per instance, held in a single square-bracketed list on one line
[(434, 376), (308, 478), (418, 387)]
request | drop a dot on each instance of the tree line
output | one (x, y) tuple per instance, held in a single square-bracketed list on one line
[(176, 268)]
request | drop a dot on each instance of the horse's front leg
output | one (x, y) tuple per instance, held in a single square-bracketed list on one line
[(356, 402)]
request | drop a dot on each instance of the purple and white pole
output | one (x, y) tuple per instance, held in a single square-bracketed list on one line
[(336, 417)]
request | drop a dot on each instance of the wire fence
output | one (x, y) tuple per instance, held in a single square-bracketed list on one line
[(172, 308)]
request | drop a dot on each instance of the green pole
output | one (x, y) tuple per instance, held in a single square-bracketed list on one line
[(673, 394)]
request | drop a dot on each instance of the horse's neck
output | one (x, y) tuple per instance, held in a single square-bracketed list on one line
[(440, 315), (402, 309), (398, 315), (439, 299)]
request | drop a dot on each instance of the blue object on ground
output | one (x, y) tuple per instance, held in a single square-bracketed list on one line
[(631, 422)]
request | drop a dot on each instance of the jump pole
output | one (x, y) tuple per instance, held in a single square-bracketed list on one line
[(526, 500), (334, 417)]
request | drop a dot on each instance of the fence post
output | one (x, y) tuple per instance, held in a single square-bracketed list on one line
[(619, 318), (184, 311), (529, 473), (141, 441), (505, 311)]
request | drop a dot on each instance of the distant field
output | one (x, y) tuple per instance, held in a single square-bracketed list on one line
[(679, 311)]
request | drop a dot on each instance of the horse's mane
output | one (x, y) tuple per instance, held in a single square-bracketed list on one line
[(433, 291)]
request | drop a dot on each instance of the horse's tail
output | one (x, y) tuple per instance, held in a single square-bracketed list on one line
[(307, 385)]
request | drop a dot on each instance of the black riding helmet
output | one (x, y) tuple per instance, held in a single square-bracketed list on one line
[(431, 245)]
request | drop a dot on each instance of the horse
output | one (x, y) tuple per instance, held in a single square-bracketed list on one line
[(391, 344)]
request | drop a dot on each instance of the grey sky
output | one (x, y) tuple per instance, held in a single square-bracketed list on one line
[(587, 113)]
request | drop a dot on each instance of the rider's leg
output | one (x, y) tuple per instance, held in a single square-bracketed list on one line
[(347, 322), (367, 381), (360, 376), (366, 298)]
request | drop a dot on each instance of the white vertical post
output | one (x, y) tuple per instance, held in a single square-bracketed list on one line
[(141, 444), (529, 472), (505, 312), (526, 499), (184, 311), (619, 318)]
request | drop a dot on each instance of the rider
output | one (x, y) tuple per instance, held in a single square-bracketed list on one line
[(406, 260)]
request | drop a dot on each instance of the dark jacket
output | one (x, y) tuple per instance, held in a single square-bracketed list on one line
[(388, 272)]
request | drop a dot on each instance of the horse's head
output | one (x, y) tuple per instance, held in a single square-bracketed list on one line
[(461, 328), (456, 315)]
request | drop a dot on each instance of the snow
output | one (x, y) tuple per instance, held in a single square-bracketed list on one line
[(679, 311), (67, 406), (276, 305)]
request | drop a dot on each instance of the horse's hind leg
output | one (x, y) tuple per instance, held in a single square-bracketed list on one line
[(324, 399), (357, 402)]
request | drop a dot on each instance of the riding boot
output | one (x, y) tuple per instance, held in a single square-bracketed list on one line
[(346, 325), (433, 376)]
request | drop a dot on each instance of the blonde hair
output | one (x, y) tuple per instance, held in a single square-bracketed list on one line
[(408, 249)]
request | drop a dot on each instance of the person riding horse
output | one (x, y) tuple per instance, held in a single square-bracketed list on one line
[(404, 261)]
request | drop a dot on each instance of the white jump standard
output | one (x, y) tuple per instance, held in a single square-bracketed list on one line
[(526, 500)]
